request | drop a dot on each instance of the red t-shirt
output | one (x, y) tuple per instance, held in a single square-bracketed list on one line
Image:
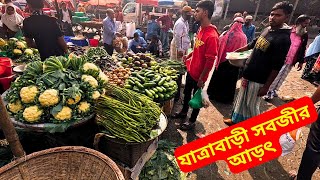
[(167, 22), (204, 52)]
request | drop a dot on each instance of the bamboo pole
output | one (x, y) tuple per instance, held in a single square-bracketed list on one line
[(10, 132), (294, 9), (227, 9), (257, 9)]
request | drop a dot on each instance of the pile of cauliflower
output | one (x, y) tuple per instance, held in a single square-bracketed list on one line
[(33, 101)]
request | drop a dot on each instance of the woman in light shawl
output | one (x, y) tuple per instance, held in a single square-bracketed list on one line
[(11, 20), (223, 82)]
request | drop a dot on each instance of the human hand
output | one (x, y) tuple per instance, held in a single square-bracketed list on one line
[(263, 91), (180, 54), (299, 67), (184, 59), (200, 83)]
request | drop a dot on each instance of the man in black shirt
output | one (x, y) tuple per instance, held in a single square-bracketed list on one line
[(265, 62), (311, 157), (42, 32)]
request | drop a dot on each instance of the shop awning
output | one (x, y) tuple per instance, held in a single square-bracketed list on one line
[(103, 2), (148, 2)]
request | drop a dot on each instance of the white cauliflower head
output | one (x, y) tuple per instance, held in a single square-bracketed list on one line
[(64, 114), (84, 107), (103, 78), (28, 94), (96, 95), (75, 100), (90, 66), (32, 114), (91, 80), (15, 107), (49, 97)]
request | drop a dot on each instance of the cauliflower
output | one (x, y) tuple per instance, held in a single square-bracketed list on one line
[(91, 80), (90, 66), (32, 114), (28, 94), (103, 78), (28, 52), (75, 100), (15, 107), (95, 94), (49, 97), (64, 114), (84, 107)]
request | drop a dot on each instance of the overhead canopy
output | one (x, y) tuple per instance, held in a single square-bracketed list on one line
[(166, 2), (103, 2), (148, 2)]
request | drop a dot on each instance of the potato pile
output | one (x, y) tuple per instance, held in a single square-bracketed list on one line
[(118, 76)]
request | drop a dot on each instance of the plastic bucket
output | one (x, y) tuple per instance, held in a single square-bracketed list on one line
[(94, 42), (6, 82), (5, 67)]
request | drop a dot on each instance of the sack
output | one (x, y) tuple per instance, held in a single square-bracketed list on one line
[(196, 101), (287, 141)]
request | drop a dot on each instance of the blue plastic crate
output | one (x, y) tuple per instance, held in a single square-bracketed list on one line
[(67, 38), (80, 42)]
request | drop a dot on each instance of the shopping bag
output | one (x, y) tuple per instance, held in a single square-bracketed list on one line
[(288, 140), (196, 101)]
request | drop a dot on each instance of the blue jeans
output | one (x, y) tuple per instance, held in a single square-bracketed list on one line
[(164, 38)]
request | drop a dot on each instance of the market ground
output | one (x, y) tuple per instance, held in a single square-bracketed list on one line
[(210, 121)]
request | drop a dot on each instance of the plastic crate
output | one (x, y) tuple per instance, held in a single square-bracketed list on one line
[(79, 14)]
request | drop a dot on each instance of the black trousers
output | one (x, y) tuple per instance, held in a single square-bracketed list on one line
[(191, 85), (309, 163), (179, 82), (108, 48)]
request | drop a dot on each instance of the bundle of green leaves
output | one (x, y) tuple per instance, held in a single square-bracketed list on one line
[(162, 165)]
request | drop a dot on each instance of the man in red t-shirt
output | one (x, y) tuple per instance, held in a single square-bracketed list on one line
[(200, 61), (19, 11), (166, 25)]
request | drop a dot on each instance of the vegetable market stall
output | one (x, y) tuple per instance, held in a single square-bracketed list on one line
[(92, 28), (57, 101)]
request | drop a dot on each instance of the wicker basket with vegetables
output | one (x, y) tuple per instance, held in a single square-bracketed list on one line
[(56, 91)]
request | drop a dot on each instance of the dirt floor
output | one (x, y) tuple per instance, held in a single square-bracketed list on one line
[(210, 121)]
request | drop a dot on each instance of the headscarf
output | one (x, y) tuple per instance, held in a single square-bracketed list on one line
[(232, 40), (11, 21), (314, 47)]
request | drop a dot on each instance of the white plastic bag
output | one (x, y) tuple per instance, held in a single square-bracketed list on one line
[(287, 141), (130, 28)]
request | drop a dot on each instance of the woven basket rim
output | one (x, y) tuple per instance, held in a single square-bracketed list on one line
[(78, 149)]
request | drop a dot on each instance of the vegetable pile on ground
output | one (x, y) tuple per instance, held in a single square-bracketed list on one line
[(56, 90), (18, 51), (179, 66), (138, 62), (158, 86), (126, 114), (118, 76), (76, 50), (162, 165), (100, 57)]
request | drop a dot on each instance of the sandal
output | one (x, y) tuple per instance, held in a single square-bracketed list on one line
[(187, 126), (228, 122)]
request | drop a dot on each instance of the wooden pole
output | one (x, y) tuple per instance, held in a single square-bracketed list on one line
[(257, 9), (10, 132), (294, 9), (227, 9)]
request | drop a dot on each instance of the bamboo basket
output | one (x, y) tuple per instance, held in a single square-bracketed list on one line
[(68, 162)]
